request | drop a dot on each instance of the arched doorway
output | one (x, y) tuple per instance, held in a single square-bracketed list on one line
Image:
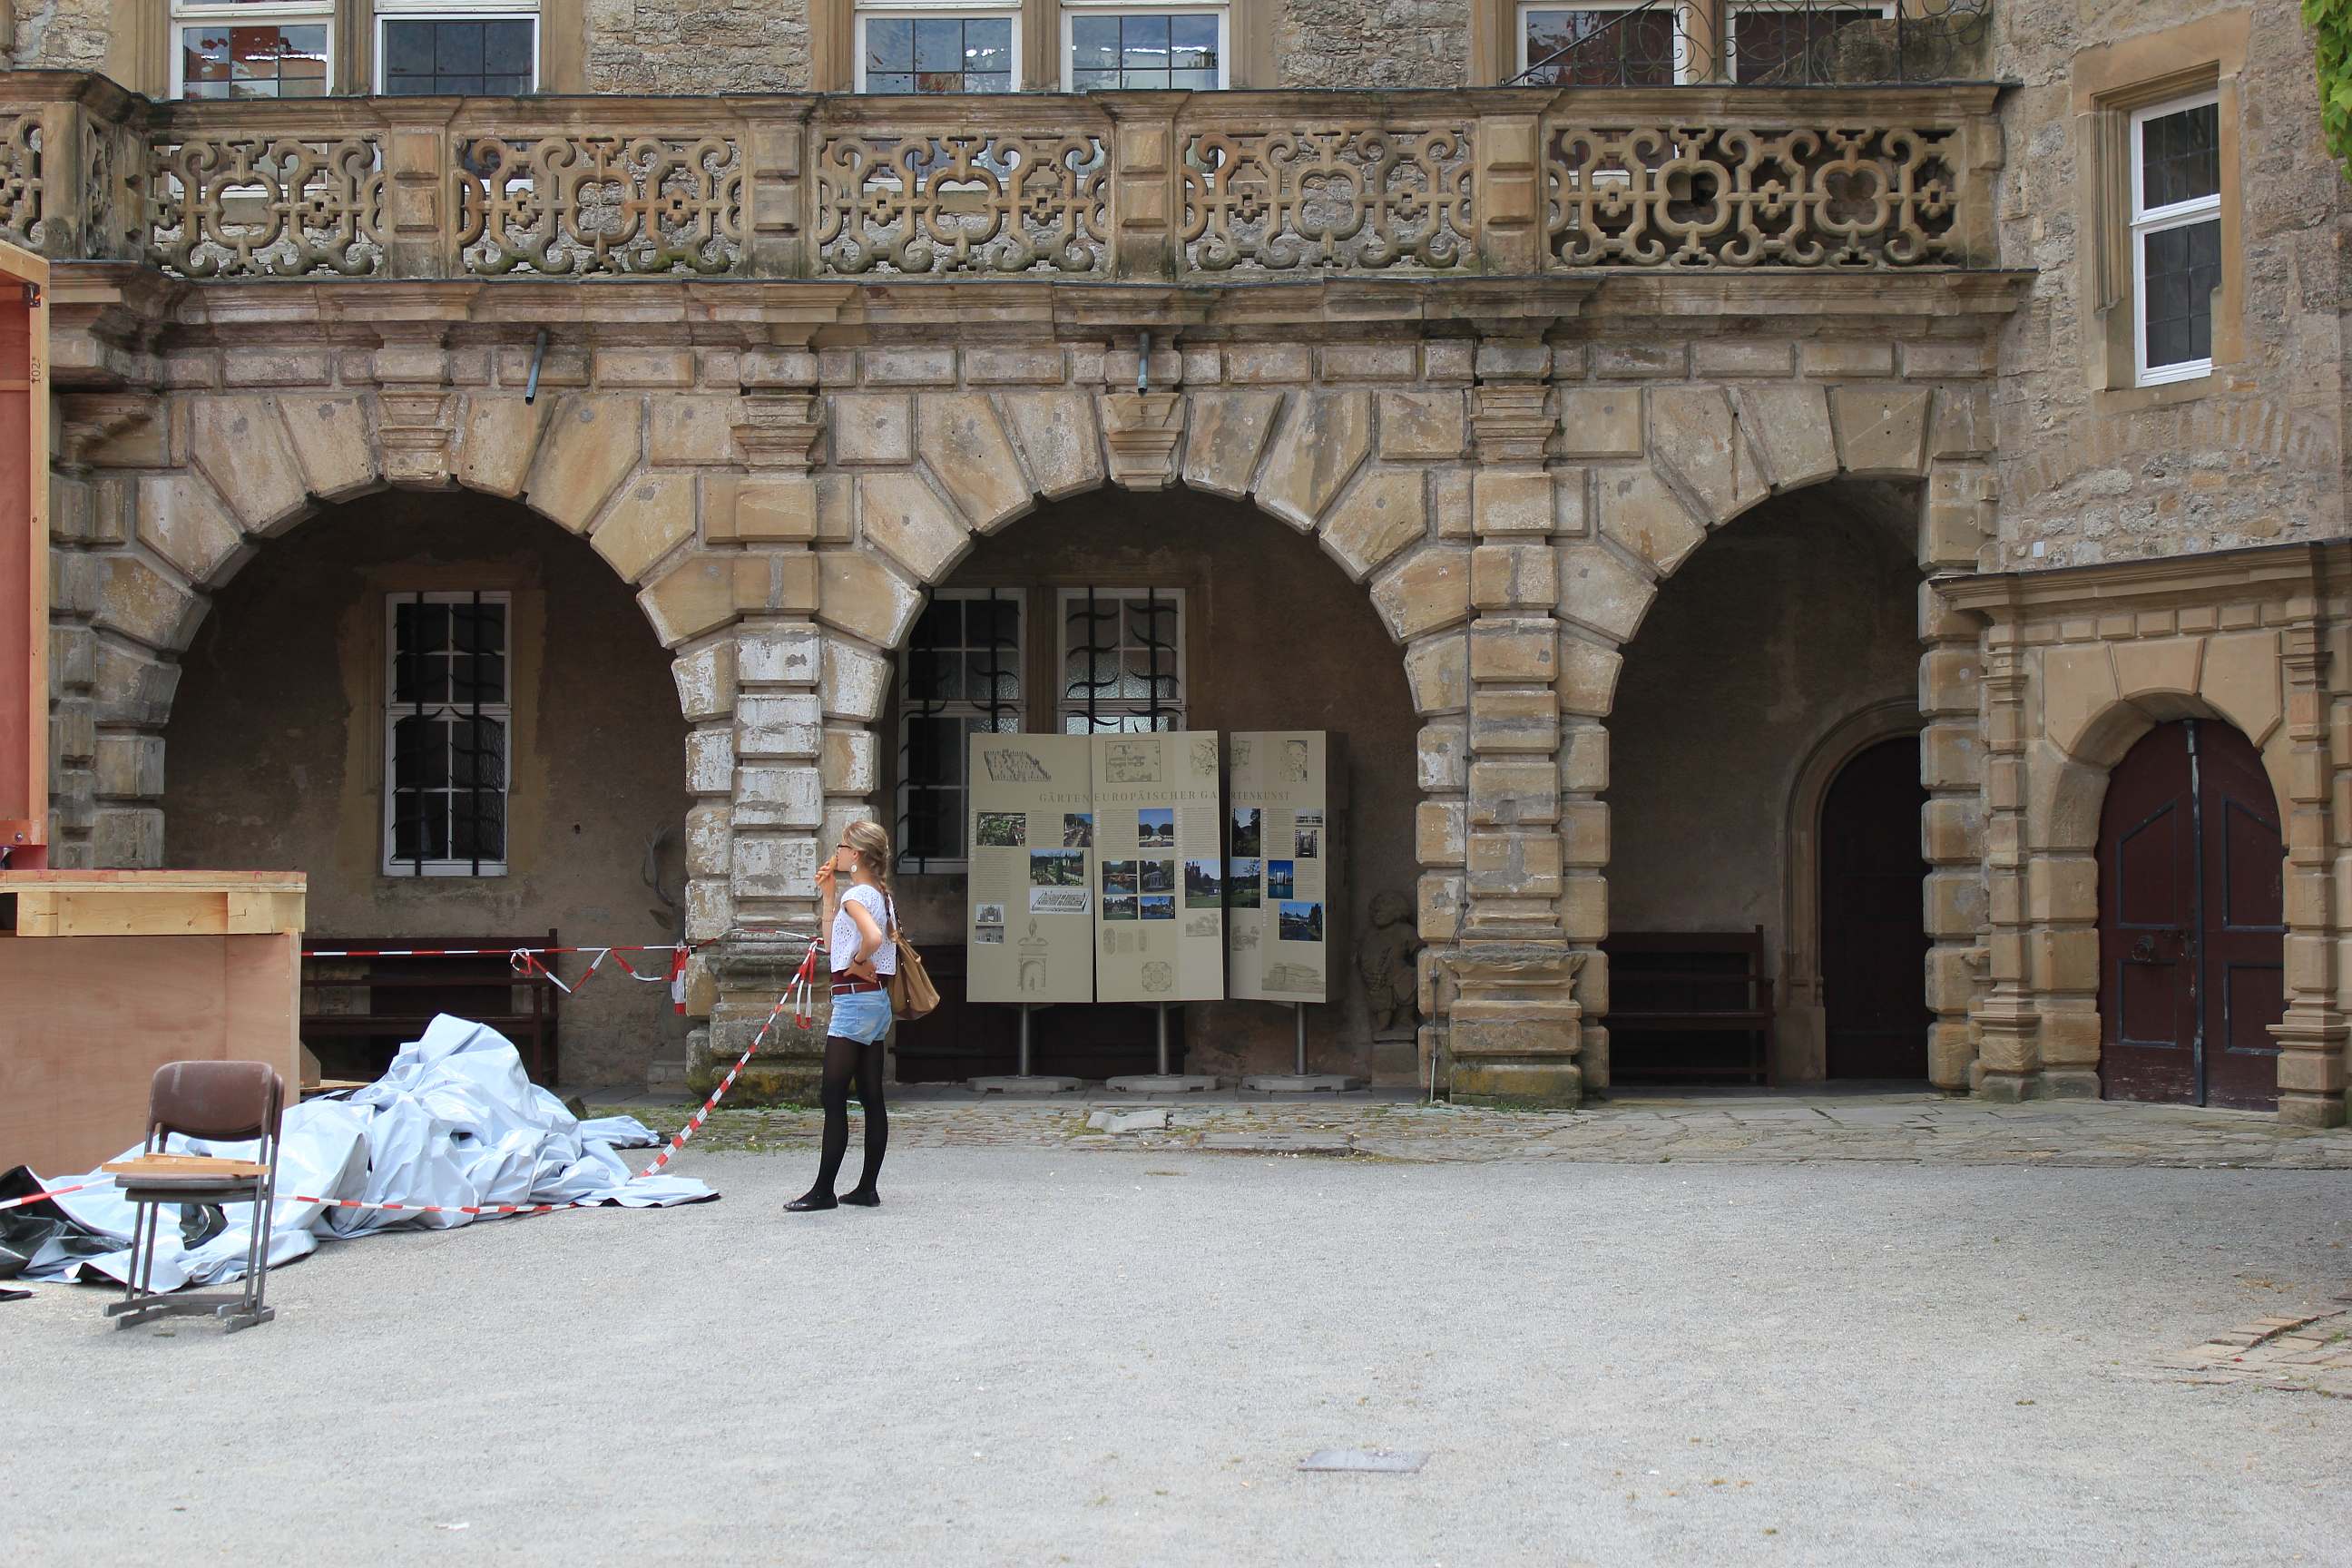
[(1873, 922), (2192, 922)]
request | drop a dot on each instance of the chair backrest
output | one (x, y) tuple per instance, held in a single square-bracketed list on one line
[(216, 1100)]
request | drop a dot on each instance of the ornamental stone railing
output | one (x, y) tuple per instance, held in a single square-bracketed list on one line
[(1192, 187)]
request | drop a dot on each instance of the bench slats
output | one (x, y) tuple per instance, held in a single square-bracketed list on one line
[(1688, 983)]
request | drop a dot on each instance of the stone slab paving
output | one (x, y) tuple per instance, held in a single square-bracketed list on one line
[(1640, 1127)]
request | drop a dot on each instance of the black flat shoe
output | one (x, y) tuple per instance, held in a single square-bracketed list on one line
[(808, 1202), (864, 1197)]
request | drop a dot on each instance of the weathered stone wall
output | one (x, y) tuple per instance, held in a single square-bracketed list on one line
[(63, 35), (1388, 44), (2252, 456), (697, 45), (276, 744)]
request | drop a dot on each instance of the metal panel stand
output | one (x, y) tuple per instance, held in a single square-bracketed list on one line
[(1299, 1080), (1163, 1081), (1024, 1081)]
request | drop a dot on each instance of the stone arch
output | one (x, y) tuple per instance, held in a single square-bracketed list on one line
[(257, 467), (1801, 955)]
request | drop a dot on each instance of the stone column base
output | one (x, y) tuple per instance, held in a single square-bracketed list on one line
[(752, 973), (1517, 1027)]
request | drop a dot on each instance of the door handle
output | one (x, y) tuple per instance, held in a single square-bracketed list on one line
[(2144, 951)]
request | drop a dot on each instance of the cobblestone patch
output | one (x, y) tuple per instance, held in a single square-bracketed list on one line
[(1711, 1128), (2307, 1354)]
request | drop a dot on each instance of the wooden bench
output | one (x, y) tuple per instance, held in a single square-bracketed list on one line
[(382, 1003), (1673, 986)]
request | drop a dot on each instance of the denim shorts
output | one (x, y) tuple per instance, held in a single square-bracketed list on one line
[(861, 1016)]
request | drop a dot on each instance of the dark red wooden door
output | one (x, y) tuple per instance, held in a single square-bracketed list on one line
[(2192, 921), (1874, 923)]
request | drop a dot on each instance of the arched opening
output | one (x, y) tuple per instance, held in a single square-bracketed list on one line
[(2192, 920), (1789, 640), (1874, 929), (1214, 617), (453, 717)]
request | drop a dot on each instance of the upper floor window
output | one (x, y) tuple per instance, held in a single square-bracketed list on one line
[(933, 50), (251, 48), (1107, 46), (2175, 237), (490, 46), (1793, 43), (1603, 43)]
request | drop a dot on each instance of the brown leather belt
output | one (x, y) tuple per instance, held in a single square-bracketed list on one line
[(840, 986)]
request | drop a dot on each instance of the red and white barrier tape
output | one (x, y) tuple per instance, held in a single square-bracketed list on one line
[(796, 995), (52, 1192), (440, 1208)]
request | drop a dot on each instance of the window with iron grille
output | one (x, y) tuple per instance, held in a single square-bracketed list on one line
[(447, 717), (251, 48), (959, 675), (1603, 43), (1122, 660)]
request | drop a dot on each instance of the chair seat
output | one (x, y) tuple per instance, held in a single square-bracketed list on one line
[(182, 1173)]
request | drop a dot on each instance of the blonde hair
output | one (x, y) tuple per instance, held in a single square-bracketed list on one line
[(872, 845)]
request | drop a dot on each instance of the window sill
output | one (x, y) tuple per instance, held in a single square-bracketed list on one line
[(2163, 394)]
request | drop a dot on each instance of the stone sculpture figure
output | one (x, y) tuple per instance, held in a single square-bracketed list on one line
[(1385, 963)]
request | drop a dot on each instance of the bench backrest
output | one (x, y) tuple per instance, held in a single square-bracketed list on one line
[(1695, 972)]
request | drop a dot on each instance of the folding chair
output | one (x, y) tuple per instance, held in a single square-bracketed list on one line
[(217, 1102)]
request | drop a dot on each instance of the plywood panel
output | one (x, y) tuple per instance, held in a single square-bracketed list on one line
[(90, 1019)]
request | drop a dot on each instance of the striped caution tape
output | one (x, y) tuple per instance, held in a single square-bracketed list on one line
[(441, 1208), (797, 996), (52, 1192)]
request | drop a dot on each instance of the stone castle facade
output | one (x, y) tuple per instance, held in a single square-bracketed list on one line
[(1510, 356)]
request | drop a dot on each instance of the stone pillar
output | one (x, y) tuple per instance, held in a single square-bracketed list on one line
[(1959, 522), (1516, 1031), (755, 853), (2008, 1023), (2311, 1067)]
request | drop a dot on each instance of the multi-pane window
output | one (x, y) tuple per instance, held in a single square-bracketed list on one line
[(1793, 42), (1107, 46), (1603, 43), (903, 49), (446, 720), (490, 47), (250, 48), (959, 675), (1122, 660), (2176, 206)]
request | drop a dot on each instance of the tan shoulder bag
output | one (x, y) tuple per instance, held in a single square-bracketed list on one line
[(912, 994)]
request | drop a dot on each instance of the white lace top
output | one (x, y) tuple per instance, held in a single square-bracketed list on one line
[(846, 940)]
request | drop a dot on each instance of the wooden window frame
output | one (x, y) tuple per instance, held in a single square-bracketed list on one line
[(2110, 85), (143, 54), (180, 15), (900, 782), (389, 863), (1247, 61)]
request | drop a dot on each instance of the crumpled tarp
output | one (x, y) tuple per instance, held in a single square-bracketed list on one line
[(454, 1120)]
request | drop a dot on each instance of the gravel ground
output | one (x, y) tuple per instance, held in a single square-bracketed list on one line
[(1039, 1356)]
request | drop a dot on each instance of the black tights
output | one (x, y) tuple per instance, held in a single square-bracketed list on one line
[(846, 1059)]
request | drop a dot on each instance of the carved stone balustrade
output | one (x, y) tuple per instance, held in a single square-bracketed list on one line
[(1132, 185)]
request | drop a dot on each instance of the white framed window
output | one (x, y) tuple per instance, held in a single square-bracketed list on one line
[(468, 48), (252, 48), (1765, 39), (959, 675), (2176, 238), (1107, 46), (1121, 660), (1597, 43), (929, 48), (447, 717)]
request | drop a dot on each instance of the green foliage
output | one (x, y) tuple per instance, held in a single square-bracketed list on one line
[(2330, 22)]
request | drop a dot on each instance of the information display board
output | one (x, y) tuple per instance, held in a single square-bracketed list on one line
[(1029, 911), (1160, 931), (1281, 886)]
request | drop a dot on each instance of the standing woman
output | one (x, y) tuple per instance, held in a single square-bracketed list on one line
[(863, 924)]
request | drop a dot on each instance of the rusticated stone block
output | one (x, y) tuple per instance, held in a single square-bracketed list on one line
[(652, 515), (1437, 672), (1441, 832), (862, 596), (1692, 431), (1642, 514), (1514, 649), (181, 520), (500, 437), (1881, 430), (241, 445), (590, 446), (1423, 425), (1588, 677), (1324, 441), (1442, 750), (1056, 431), (1227, 435), (702, 593), (1600, 422), (1514, 792), (856, 681), (1428, 589), (900, 516), (1508, 719), (1514, 576), (1383, 513), (1601, 589), (967, 450), (331, 442)]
